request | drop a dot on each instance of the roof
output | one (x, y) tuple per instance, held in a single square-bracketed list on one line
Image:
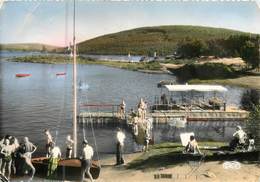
[(199, 88)]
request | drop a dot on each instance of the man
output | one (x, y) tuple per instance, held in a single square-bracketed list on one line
[(192, 147), (240, 135), (27, 149), (7, 151), (49, 142), (87, 154), (239, 138), (55, 156), (69, 143), (120, 137), (122, 109)]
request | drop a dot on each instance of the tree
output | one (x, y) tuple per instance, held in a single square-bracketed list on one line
[(250, 99), (190, 48), (253, 125), (250, 53)]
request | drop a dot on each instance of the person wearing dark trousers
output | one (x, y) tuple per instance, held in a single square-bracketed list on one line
[(120, 137)]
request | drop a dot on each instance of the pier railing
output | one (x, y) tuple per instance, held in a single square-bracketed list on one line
[(104, 108)]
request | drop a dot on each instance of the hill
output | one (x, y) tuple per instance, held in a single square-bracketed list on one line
[(147, 40), (29, 47)]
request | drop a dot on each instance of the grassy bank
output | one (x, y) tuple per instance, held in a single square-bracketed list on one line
[(164, 155), (168, 155), (50, 59), (244, 81)]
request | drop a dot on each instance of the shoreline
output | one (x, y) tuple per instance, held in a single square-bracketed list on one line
[(251, 82)]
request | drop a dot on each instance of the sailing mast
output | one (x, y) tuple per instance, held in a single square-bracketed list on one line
[(74, 87)]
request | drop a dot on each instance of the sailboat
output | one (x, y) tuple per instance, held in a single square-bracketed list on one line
[(68, 169)]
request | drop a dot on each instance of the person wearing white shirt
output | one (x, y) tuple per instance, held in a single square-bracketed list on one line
[(87, 154), (120, 137), (240, 135)]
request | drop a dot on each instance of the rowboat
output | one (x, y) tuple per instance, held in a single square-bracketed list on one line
[(60, 74), (68, 169), (23, 75)]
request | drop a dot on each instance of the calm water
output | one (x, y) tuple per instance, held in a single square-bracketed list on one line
[(29, 105)]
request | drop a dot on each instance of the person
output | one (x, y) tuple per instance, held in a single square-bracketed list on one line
[(146, 140), (239, 138), (55, 156), (7, 151), (69, 143), (192, 146), (27, 149), (251, 143), (14, 142), (120, 136), (49, 142), (122, 109), (240, 135), (144, 109), (1, 155), (87, 154)]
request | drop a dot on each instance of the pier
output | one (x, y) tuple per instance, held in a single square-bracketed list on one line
[(165, 116)]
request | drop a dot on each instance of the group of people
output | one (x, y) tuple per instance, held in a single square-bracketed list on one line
[(11, 152), (54, 154)]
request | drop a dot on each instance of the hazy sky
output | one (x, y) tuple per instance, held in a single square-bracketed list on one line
[(51, 22)]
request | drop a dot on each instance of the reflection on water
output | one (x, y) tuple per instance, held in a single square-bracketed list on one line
[(31, 104)]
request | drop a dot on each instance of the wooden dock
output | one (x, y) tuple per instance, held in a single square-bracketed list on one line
[(166, 116)]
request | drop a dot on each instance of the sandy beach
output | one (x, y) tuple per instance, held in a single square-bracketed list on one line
[(191, 171)]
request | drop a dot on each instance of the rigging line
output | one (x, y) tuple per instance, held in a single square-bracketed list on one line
[(93, 133), (63, 108)]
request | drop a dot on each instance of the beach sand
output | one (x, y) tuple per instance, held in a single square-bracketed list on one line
[(210, 171)]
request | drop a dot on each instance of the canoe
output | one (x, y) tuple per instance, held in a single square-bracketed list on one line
[(23, 75), (60, 74), (68, 169)]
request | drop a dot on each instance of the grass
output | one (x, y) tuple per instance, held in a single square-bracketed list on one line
[(168, 155), (51, 59), (243, 81)]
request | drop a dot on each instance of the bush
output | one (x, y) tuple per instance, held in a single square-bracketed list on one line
[(204, 71)]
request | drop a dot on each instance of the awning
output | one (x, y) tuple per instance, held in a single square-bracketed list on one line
[(199, 88)]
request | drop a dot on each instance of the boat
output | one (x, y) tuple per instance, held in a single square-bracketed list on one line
[(68, 169), (22, 75), (60, 74)]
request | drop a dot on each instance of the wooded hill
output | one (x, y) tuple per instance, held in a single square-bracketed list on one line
[(147, 40)]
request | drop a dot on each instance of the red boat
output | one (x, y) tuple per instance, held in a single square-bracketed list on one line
[(60, 74), (23, 75)]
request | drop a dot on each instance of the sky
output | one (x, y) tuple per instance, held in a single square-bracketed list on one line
[(50, 22)]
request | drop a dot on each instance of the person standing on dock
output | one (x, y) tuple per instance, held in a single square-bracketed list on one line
[(87, 155), (49, 142), (122, 109), (120, 137), (69, 143)]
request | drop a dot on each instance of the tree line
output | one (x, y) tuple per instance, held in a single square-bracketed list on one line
[(244, 46)]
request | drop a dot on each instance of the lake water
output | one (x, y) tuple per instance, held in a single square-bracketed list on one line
[(31, 104)]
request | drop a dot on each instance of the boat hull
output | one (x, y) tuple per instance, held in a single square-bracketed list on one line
[(22, 75), (68, 169)]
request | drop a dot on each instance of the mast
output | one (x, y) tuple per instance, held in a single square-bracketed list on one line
[(74, 87)]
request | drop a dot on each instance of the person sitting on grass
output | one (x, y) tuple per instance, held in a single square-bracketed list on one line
[(192, 147)]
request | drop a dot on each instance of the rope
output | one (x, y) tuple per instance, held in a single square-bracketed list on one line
[(92, 129)]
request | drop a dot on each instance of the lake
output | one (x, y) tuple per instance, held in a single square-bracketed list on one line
[(31, 104)]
